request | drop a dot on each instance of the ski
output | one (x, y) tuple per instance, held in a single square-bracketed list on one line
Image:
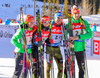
[(26, 59), (68, 57), (40, 46), (52, 66), (66, 50), (70, 29)]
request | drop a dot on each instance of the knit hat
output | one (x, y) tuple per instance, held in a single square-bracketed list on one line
[(45, 18), (58, 14), (75, 9), (29, 18)]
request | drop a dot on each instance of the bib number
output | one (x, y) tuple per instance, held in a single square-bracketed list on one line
[(76, 32), (43, 40), (56, 38), (28, 40)]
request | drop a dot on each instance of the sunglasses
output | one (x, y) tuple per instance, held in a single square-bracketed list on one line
[(46, 22), (60, 18)]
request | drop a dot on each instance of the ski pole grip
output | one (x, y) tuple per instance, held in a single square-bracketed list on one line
[(71, 42)]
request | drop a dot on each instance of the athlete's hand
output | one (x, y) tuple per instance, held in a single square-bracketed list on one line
[(51, 41), (23, 46), (70, 44), (37, 39), (73, 38)]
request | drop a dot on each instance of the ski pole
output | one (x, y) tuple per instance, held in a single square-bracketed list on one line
[(86, 67)]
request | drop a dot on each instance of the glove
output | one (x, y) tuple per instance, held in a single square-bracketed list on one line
[(37, 39), (51, 41)]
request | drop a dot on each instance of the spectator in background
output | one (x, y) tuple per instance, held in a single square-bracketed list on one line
[(0, 20), (7, 22), (94, 25)]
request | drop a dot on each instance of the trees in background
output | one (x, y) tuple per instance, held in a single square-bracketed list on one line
[(99, 8), (44, 8), (87, 7), (65, 10), (51, 7)]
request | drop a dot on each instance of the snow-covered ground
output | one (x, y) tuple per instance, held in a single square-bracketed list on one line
[(7, 67)]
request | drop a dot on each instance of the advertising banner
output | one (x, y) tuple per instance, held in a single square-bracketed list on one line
[(6, 33), (96, 44)]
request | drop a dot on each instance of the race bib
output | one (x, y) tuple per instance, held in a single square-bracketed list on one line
[(56, 38), (43, 39), (28, 39), (77, 32)]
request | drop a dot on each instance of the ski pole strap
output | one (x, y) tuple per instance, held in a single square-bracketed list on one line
[(50, 28), (81, 22)]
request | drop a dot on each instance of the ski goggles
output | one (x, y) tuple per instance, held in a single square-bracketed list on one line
[(59, 17), (46, 22), (58, 14)]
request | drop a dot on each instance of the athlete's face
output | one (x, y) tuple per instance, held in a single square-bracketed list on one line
[(46, 23), (30, 24), (76, 16), (58, 20)]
